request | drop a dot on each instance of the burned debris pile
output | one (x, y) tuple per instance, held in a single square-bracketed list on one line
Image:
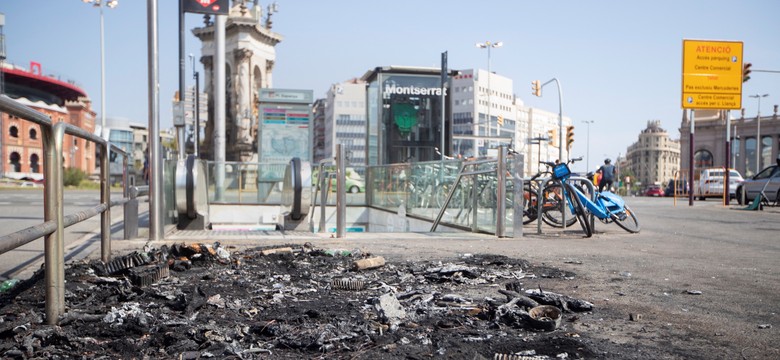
[(208, 301)]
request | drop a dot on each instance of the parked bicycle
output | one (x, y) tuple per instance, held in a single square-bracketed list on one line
[(552, 200), (607, 206)]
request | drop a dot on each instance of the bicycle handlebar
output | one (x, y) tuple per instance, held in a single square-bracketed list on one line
[(570, 161)]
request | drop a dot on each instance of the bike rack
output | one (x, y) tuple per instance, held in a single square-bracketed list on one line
[(540, 201)]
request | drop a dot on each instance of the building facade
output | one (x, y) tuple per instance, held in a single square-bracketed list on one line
[(537, 137), (484, 114), (345, 121), (655, 157), (710, 141), (404, 115), (399, 111), (21, 146), (318, 130)]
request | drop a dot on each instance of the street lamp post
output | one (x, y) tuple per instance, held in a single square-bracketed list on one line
[(758, 131), (487, 45), (99, 4), (560, 116), (587, 145)]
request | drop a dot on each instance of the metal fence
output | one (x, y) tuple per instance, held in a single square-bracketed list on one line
[(55, 221)]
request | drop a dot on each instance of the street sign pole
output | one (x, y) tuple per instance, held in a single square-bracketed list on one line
[(690, 158), (712, 77)]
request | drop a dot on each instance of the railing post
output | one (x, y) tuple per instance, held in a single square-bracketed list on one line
[(50, 204), (501, 192), (539, 203), (519, 196), (105, 198), (341, 196), (324, 189), (54, 247), (474, 199)]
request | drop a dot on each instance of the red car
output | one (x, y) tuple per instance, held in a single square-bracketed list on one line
[(654, 190)]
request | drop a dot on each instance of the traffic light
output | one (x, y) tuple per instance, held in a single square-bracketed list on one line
[(746, 71), (569, 136), (552, 136), (500, 120), (536, 88)]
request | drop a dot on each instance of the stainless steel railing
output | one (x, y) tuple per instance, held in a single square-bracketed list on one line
[(55, 221)]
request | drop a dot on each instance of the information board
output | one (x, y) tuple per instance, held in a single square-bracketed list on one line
[(712, 75)]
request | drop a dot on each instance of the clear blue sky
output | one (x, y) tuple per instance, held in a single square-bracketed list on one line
[(619, 62)]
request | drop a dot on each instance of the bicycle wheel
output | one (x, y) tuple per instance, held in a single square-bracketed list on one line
[(579, 211), (530, 204), (627, 220), (552, 206)]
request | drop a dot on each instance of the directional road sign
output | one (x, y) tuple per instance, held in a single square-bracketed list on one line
[(712, 75)]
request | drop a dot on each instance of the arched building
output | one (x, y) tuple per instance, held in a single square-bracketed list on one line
[(21, 146), (710, 141)]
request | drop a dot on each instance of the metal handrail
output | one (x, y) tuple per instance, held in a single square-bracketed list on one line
[(52, 229), (498, 166)]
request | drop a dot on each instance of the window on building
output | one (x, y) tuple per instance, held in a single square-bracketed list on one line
[(13, 131), (33, 134), (766, 152), (702, 159), (16, 166), (750, 156), (34, 163)]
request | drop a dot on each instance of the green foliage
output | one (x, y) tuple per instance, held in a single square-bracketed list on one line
[(73, 176)]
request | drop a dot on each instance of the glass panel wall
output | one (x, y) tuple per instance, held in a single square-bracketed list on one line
[(405, 117)]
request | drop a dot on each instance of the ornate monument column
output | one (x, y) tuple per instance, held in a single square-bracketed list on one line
[(243, 101), (250, 55)]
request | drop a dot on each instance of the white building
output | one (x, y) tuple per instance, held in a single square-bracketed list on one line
[(472, 98), (483, 106), (533, 125), (345, 121)]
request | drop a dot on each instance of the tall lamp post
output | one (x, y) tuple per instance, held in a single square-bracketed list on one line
[(487, 45), (100, 4), (758, 131), (587, 146)]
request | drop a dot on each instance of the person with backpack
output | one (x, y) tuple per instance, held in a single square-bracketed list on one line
[(608, 172)]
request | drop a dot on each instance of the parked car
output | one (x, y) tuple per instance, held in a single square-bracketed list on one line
[(354, 182), (710, 183), (351, 185), (681, 187), (767, 180), (654, 190)]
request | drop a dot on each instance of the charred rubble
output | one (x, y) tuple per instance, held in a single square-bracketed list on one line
[(208, 301)]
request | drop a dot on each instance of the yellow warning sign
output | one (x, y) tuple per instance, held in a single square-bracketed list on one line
[(712, 75)]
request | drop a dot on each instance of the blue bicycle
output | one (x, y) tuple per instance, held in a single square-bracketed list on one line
[(608, 207)]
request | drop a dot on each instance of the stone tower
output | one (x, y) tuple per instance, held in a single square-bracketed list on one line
[(250, 57)]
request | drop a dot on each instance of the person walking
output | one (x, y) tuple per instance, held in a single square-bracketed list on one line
[(608, 172)]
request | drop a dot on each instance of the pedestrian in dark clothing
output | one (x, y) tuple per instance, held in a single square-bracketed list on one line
[(608, 172)]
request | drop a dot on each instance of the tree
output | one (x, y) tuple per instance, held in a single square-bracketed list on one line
[(73, 176)]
